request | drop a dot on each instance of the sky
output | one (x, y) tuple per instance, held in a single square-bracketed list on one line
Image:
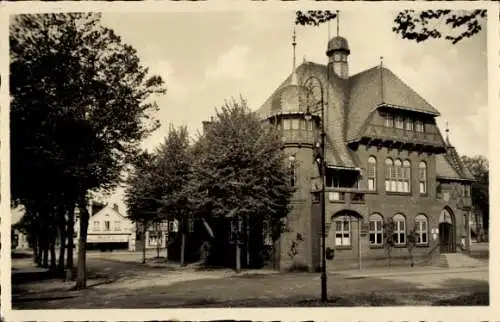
[(207, 57)]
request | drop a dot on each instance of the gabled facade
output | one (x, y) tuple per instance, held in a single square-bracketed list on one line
[(386, 158), (108, 229)]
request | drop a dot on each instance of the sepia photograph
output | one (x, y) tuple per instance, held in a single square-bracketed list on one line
[(249, 159)]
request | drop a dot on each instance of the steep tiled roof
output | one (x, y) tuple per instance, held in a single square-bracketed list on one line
[(350, 103), (376, 86), (335, 95)]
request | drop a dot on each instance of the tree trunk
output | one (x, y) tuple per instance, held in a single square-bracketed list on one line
[(144, 243), (70, 236), (81, 277), (39, 251), (35, 250), (248, 242), (45, 261), (62, 240), (238, 256), (183, 248), (53, 260)]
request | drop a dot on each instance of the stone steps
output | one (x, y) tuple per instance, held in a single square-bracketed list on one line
[(456, 260)]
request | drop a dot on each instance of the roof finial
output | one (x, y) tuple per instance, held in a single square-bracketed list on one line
[(338, 25), (382, 79)]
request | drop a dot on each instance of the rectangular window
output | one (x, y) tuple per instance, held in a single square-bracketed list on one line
[(371, 184), (409, 124), (400, 122), (343, 232), (419, 126), (117, 225), (467, 191), (295, 124), (422, 175), (106, 225), (310, 125), (389, 120), (96, 225), (286, 124), (303, 124)]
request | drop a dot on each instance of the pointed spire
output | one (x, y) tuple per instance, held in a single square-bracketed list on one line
[(294, 44), (338, 23)]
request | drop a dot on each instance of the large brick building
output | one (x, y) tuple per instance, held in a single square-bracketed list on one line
[(386, 158)]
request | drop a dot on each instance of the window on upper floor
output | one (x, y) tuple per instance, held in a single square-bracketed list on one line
[(372, 173), (389, 174), (419, 126), (310, 125), (399, 122), (408, 124), (106, 225), (117, 225), (389, 120), (406, 176), (287, 124), (422, 177), (376, 230), (421, 226), (397, 176), (399, 234), (467, 191), (96, 225)]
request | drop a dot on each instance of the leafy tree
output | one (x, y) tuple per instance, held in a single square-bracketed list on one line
[(411, 243), (240, 174), (479, 167), (140, 195), (86, 102), (389, 227), (174, 165), (416, 25)]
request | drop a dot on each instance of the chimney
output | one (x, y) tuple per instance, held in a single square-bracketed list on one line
[(115, 208)]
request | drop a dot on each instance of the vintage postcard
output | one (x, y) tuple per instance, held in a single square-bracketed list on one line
[(252, 161)]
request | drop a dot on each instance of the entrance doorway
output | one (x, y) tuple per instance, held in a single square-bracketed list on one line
[(446, 232)]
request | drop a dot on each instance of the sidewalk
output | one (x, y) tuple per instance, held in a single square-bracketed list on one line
[(406, 271)]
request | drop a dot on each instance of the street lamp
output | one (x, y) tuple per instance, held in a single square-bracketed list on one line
[(320, 159)]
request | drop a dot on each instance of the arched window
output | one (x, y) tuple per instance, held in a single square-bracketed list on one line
[(421, 227), (372, 174), (399, 234), (389, 174), (422, 177), (292, 167), (343, 231), (406, 176), (376, 230), (398, 167)]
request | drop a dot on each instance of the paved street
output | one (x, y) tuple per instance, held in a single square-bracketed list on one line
[(118, 282)]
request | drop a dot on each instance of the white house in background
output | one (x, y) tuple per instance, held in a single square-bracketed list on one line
[(109, 229)]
